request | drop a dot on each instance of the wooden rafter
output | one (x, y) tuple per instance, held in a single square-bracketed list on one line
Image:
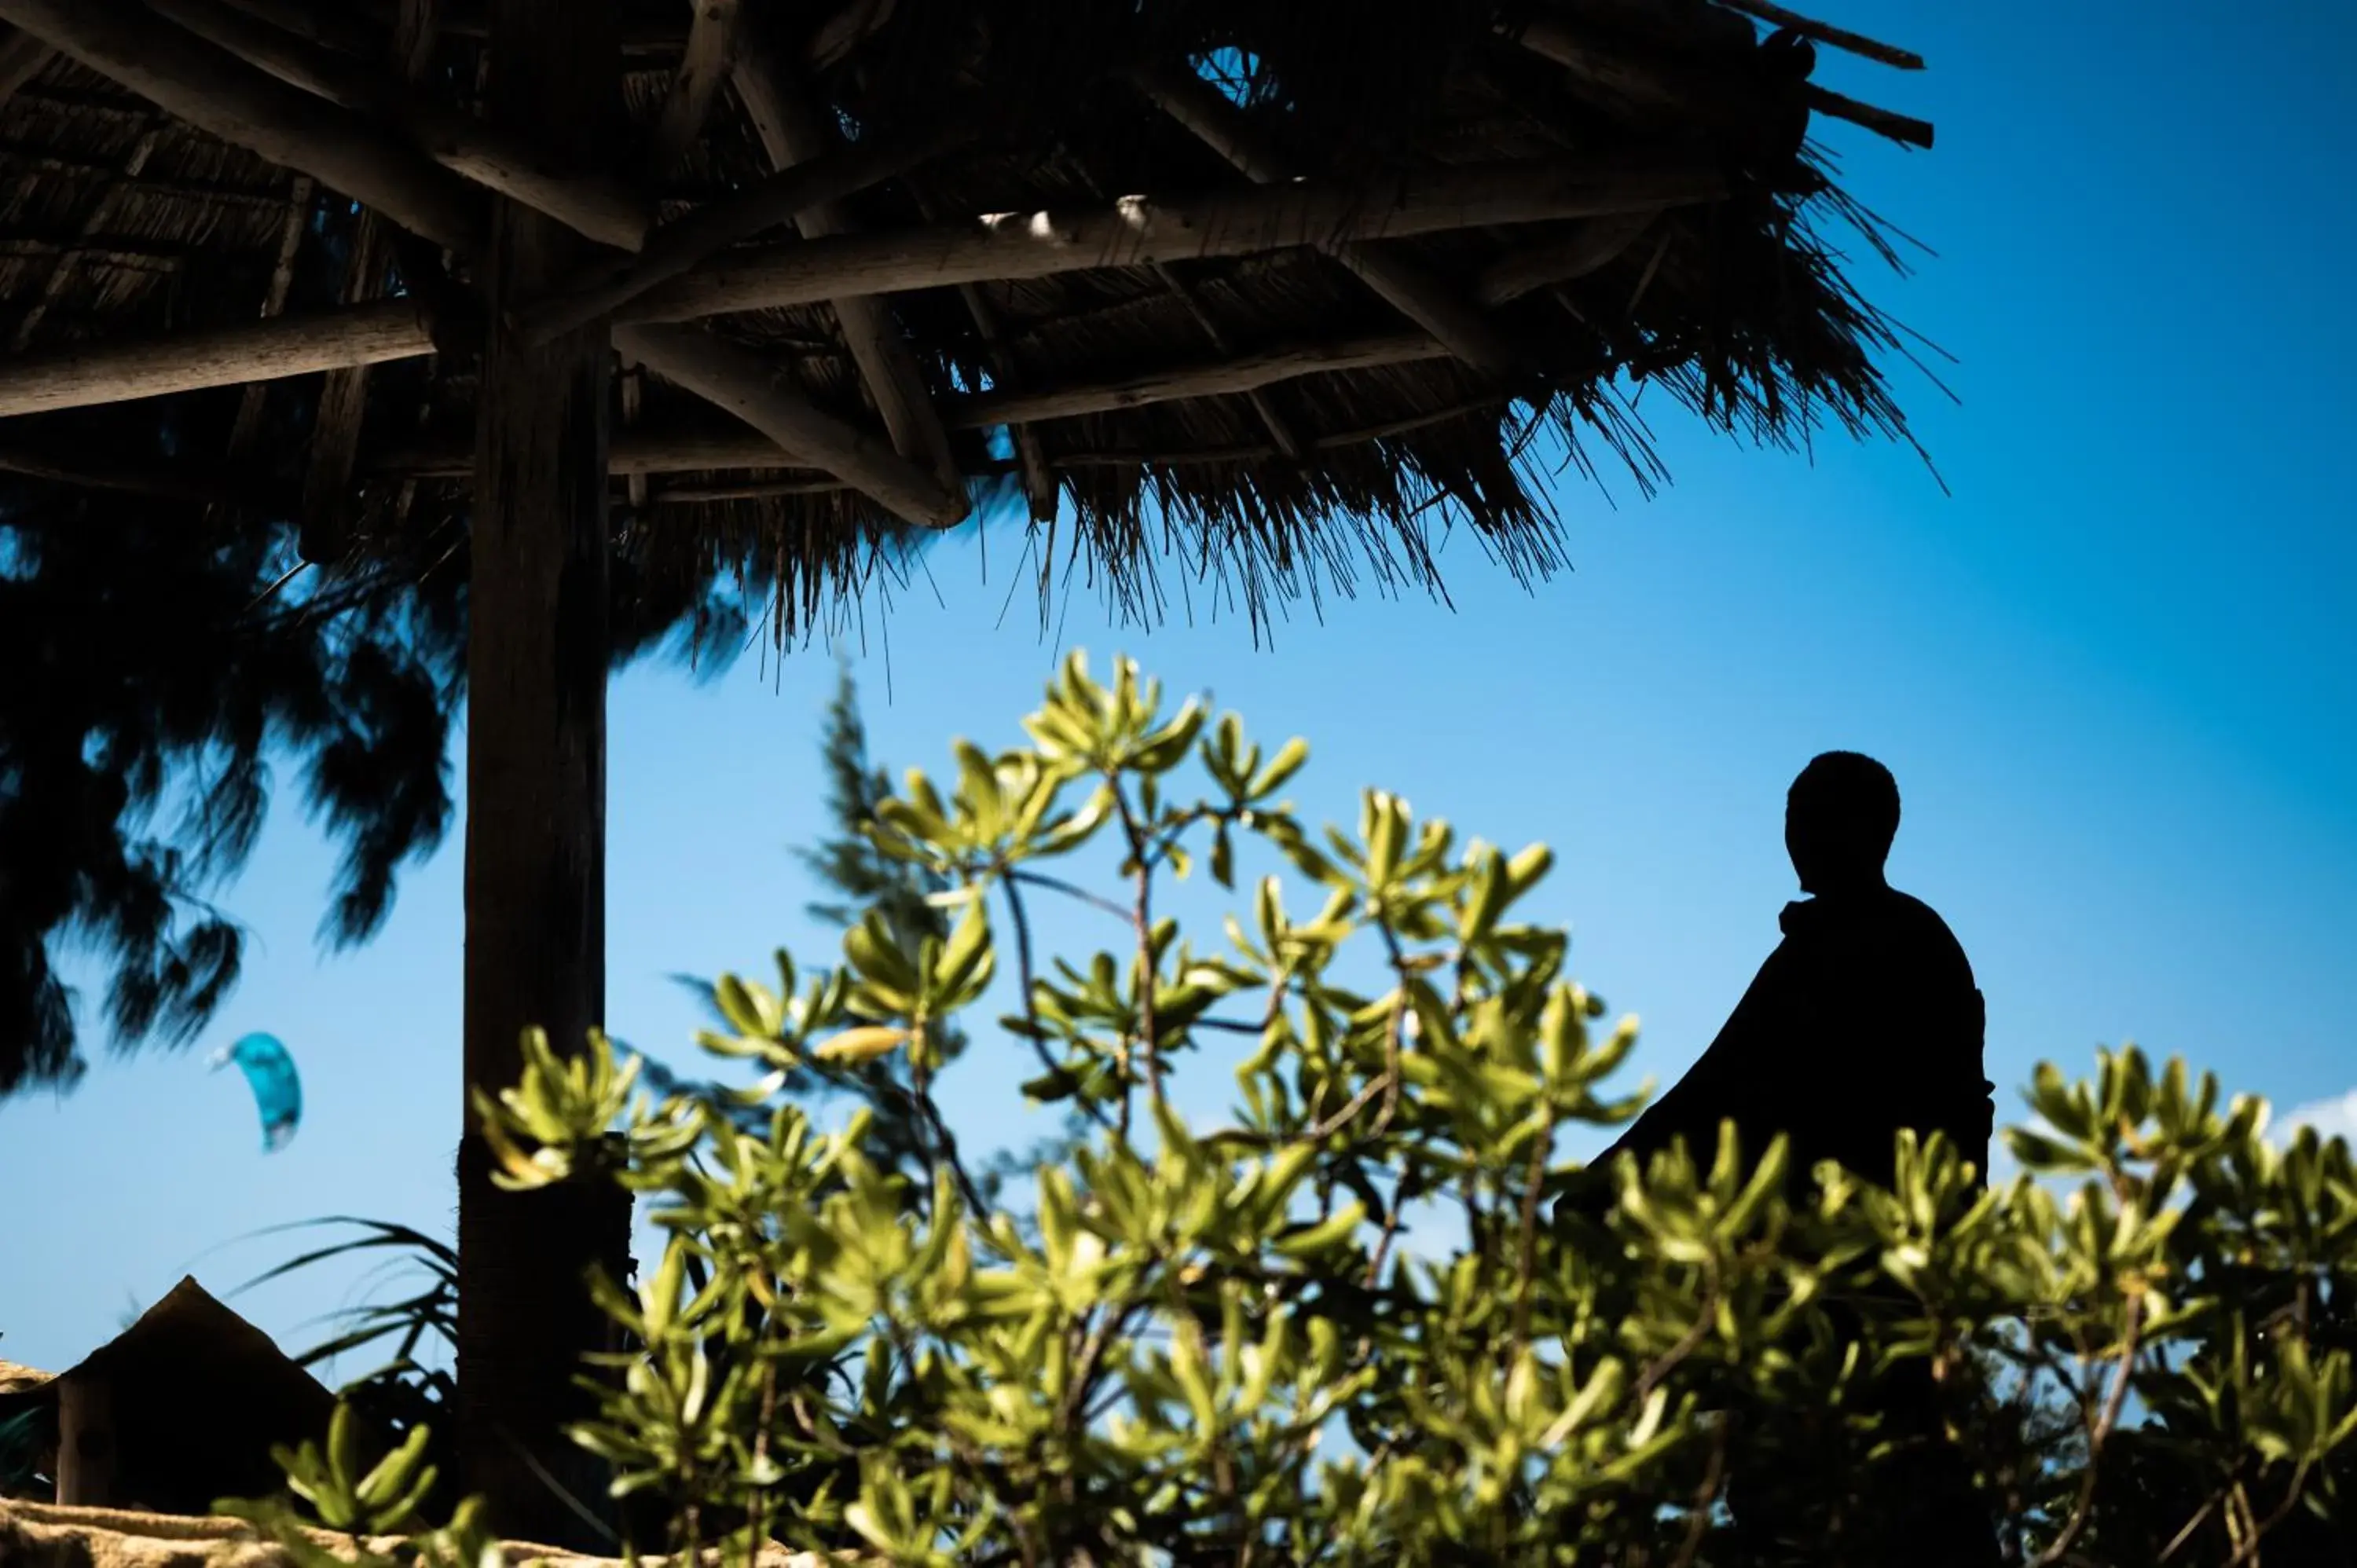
[(1597, 244), (592, 202), (171, 479), (1141, 230), (342, 407), (248, 422), (1658, 90), (95, 222), (22, 58), (677, 247), (78, 375), (660, 450), (1238, 373), (1839, 37), (1135, 233), (782, 115), (214, 90), (1399, 279), (751, 388), (704, 70)]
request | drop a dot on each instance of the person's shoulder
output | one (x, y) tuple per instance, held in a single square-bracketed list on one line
[(1916, 921)]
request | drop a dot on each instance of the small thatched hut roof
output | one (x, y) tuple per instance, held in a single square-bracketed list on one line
[(1300, 281)]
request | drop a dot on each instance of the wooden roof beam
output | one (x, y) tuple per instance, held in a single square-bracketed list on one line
[(1399, 279), (22, 58), (1593, 244), (591, 202), (704, 69), (1653, 92), (706, 231), (78, 375), (1137, 232), (1140, 231), (1219, 377), (740, 382), (1777, 17), (784, 118), (214, 90), (164, 478), (672, 449)]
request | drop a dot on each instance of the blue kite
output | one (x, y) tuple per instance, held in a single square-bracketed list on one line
[(278, 1091)]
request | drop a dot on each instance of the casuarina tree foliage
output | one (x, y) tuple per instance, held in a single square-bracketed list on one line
[(164, 668), (1339, 1327)]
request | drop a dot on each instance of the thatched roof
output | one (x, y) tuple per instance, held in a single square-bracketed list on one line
[(196, 1396), (1570, 189)]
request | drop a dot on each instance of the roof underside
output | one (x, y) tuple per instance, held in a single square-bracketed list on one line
[(1500, 216)]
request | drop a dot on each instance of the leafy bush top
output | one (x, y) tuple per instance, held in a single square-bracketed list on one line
[(1342, 1328)]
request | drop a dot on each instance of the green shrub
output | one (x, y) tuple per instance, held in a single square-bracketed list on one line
[(1343, 1328)]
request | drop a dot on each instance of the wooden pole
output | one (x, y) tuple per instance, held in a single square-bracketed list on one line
[(1218, 378), (538, 648), (174, 479), (22, 58), (791, 133), (611, 282), (703, 70), (1595, 244), (591, 202), (328, 502), (86, 1448), (1141, 230), (214, 90), (747, 386), (1398, 278), (77, 375)]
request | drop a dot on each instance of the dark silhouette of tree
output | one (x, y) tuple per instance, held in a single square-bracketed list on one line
[(165, 672)]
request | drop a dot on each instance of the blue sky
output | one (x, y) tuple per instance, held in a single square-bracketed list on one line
[(2115, 669)]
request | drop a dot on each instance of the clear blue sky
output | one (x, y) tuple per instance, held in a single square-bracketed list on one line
[(2116, 673)]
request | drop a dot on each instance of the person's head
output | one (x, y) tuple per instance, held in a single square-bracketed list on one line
[(1840, 819)]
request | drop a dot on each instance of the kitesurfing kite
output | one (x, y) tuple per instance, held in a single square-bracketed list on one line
[(278, 1091)]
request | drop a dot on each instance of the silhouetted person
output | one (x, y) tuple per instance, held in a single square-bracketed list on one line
[(1865, 1020)]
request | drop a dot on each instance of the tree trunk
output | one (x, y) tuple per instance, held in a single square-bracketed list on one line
[(537, 660)]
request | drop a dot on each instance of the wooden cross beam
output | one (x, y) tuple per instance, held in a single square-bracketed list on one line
[(782, 115), (750, 388), (214, 90), (592, 202), (1400, 279), (1241, 374), (1140, 231)]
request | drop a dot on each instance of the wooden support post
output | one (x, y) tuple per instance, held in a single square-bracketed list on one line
[(1141, 230), (790, 132), (86, 1448), (1398, 278), (538, 648), (743, 384), (215, 91)]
